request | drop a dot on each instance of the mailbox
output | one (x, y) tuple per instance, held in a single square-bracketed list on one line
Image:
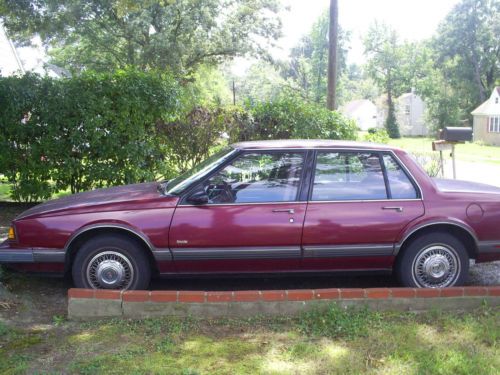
[(452, 134)]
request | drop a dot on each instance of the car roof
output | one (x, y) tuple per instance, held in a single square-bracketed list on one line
[(309, 144)]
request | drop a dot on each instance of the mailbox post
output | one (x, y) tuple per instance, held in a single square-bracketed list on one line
[(449, 138)]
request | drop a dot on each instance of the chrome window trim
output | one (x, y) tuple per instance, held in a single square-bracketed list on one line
[(369, 200), (244, 204), (412, 178)]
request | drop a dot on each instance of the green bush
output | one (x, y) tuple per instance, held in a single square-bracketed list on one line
[(376, 136), (288, 118), (88, 131), (106, 129)]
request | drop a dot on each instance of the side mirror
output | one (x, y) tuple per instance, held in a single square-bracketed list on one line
[(200, 197)]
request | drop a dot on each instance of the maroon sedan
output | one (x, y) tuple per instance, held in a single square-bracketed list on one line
[(268, 207)]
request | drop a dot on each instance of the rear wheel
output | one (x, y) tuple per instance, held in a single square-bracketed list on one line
[(433, 260), (111, 261)]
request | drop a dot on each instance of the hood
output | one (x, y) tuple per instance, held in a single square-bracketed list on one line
[(136, 193), (458, 186)]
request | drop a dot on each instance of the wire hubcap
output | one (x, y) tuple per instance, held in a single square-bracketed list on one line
[(110, 270), (437, 266)]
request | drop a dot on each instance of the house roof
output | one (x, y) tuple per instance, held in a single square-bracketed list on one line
[(490, 107), (355, 105)]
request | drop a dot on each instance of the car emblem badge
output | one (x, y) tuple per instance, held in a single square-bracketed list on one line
[(182, 242)]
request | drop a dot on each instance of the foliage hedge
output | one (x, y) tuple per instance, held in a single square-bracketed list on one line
[(105, 129)]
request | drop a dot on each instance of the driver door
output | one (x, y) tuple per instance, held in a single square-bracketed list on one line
[(252, 221)]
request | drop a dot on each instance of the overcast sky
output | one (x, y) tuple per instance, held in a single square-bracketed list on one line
[(413, 19)]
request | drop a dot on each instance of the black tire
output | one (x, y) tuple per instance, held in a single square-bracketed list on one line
[(433, 260), (111, 261)]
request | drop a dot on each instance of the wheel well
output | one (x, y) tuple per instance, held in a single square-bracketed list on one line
[(80, 239), (461, 234)]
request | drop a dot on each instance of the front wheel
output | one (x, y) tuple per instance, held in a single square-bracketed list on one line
[(434, 260), (111, 262)]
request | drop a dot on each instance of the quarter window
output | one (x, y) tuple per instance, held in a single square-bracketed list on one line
[(343, 176), (257, 177), (400, 185)]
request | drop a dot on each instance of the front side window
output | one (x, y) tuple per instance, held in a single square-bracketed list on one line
[(400, 185), (257, 177), (343, 176)]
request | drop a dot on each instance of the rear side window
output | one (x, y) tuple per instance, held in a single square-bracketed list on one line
[(400, 185), (344, 176)]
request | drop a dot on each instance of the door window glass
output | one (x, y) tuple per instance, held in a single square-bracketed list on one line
[(341, 176), (257, 177), (399, 183)]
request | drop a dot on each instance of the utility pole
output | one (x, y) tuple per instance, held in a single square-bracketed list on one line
[(234, 93), (333, 36)]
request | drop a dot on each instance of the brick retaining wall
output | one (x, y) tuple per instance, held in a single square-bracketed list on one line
[(88, 303)]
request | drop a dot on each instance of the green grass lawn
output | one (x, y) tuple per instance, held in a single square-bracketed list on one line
[(332, 342), (472, 152)]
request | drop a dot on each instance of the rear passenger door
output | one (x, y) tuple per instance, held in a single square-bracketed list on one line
[(359, 202)]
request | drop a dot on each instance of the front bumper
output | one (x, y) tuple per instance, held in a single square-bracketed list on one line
[(30, 255)]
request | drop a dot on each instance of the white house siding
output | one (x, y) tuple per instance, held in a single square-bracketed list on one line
[(483, 114), (410, 115), (363, 112)]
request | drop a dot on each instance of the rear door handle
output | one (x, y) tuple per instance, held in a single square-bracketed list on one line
[(289, 210), (397, 209)]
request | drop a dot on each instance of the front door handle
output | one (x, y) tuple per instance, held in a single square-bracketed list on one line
[(397, 209), (289, 210)]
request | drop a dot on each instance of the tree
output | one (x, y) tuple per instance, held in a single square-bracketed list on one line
[(388, 67), (467, 44), (177, 34), (333, 37), (308, 68)]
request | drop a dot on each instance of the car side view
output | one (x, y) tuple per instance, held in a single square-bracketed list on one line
[(295, 206)]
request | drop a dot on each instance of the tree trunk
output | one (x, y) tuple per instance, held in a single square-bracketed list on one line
[(332, 54)]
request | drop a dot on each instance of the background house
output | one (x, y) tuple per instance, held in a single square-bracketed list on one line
[(410, 110), (363, 111), (486, 125)]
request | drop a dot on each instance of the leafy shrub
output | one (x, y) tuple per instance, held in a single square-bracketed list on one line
[(288, 118), (88, 131), (376, 136)]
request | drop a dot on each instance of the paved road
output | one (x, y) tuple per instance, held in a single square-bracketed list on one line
[(486, 173)]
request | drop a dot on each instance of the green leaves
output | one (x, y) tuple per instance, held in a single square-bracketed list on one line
[(88, 131), (169, 34)]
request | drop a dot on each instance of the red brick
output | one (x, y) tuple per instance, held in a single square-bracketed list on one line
[(108, 294), (188, 296), (164, 296), (403, 292), (300, 295), (80, 293), (427, 293), (352, 293), (136, 296), (378, 293), (327, 294), (247, 296), (273, 295), (452, 292), (494, 291), (475, 291), (219, 296)]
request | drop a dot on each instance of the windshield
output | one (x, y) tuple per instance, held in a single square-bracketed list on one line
[(177, 185)]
